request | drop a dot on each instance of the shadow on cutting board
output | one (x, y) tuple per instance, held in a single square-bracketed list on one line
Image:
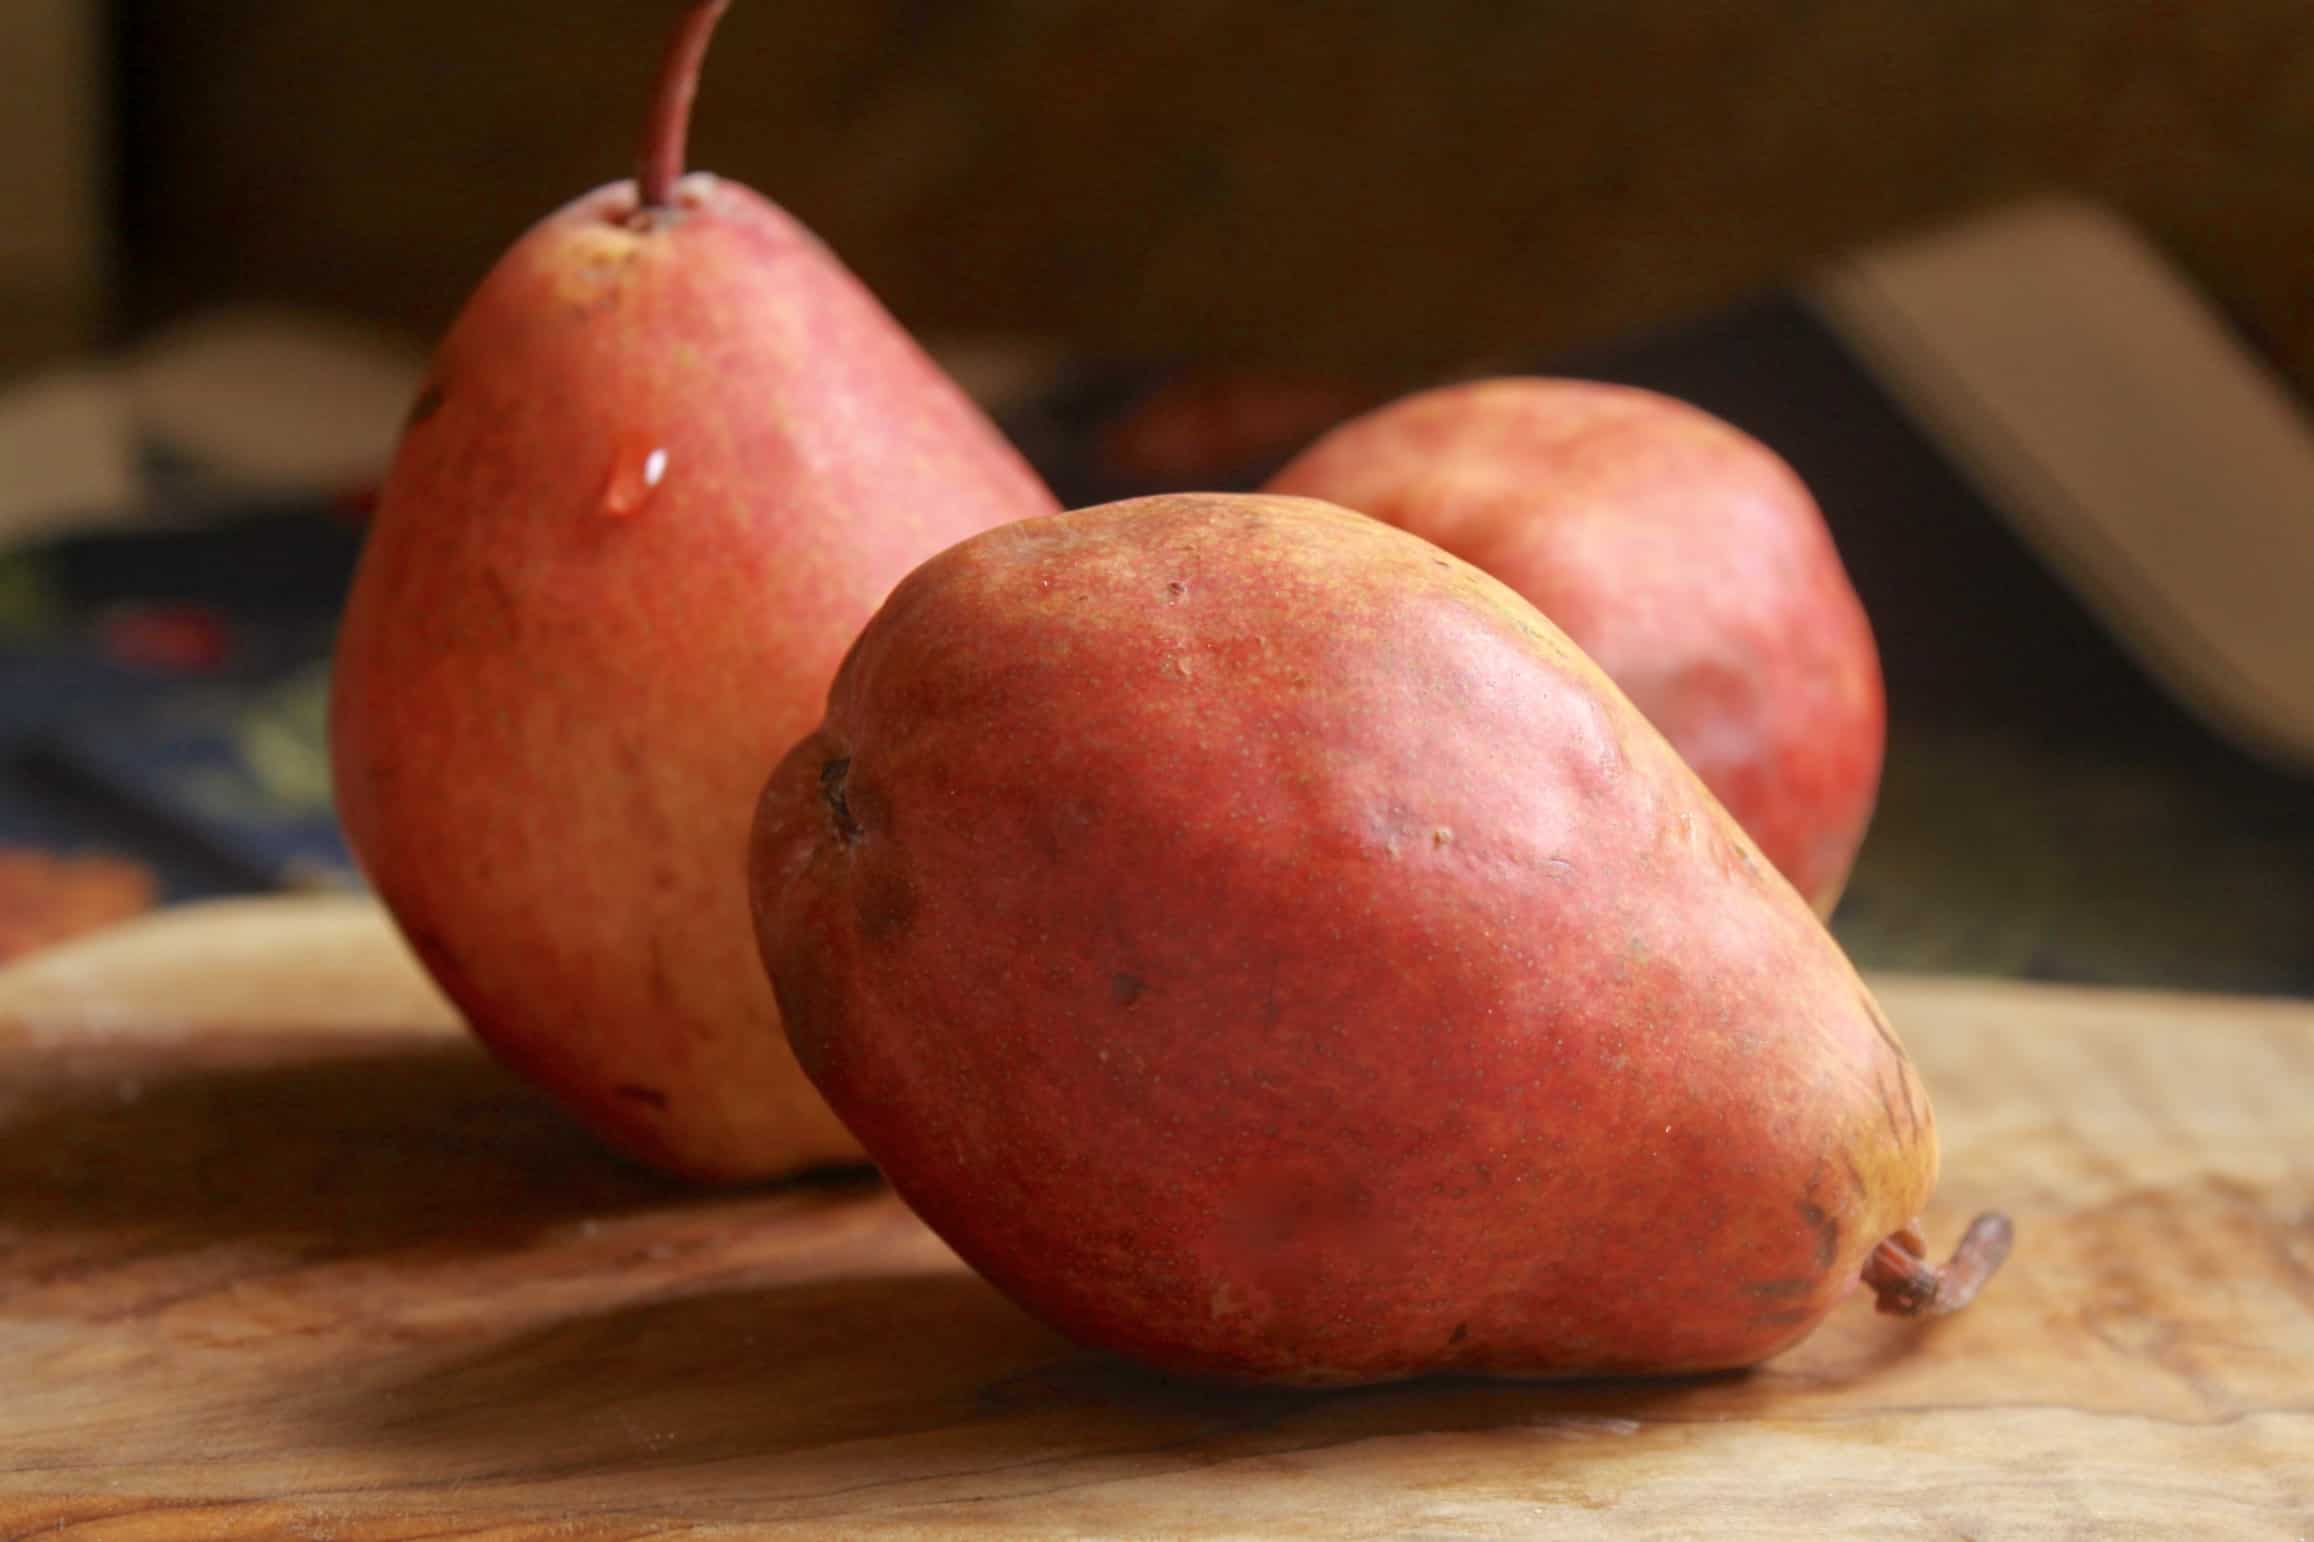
[(756, 1396), (374, 1144)]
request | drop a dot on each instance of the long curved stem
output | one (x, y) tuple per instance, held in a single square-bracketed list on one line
[(1908, 1285), (659, 165)]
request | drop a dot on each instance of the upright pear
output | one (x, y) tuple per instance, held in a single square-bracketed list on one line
[(670, 457), (1262, 944)]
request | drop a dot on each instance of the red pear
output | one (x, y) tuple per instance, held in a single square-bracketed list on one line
[(1263, 944), (672, 455), (1683, 555)]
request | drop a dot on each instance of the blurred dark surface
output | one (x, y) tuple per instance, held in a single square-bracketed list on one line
[(162, 699)]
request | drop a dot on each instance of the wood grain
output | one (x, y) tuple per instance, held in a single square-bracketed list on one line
[(274, 1266)]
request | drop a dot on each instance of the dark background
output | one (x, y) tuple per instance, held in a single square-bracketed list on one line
[(1343, 184)]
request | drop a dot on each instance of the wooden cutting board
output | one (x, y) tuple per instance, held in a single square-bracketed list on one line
[(282, 1255)]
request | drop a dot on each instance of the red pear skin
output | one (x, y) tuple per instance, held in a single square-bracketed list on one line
[(668, 463), (1264, 945), (1683, 555)]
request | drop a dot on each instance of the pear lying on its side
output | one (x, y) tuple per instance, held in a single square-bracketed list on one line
[(1264, 945)]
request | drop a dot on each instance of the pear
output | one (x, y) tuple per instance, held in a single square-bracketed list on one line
[(1263, 945), (1679, 552), (671, 456)]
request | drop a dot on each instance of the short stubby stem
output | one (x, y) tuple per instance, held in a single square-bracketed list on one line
[(1906, 1284)]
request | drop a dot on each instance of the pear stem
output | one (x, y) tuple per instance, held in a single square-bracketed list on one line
[(1908, 1285), (660, 164)]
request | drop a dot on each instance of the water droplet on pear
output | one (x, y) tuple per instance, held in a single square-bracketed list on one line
[(637, 469)]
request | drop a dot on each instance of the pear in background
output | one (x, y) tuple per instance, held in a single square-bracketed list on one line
[(1680, 553)]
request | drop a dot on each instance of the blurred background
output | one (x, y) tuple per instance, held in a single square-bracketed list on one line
[(1385, 183), (1168, 244)]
